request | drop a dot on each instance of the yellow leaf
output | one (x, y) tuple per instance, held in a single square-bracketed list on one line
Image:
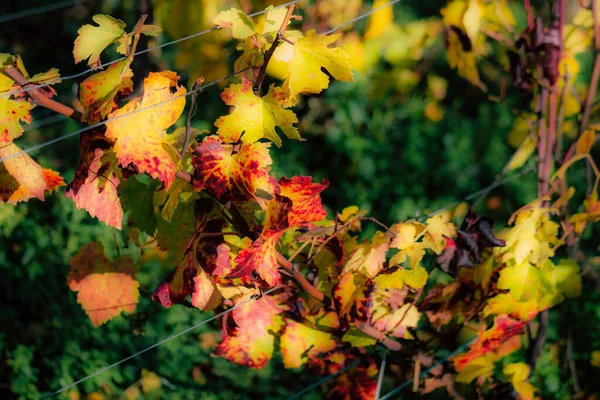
[(506, 304), (522, 154), (92, 40), (438, 228), (437, 86), (522, 280), (519, 372), (380, 20), (370, 256), (241, 26), (480, 367), (585, 142), (254, 116), (310, 54), (433, 111), (26, 172), (139, 137)]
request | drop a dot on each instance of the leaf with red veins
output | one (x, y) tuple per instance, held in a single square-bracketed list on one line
[(104, 288), (306, 199), (300, 342), (262, 257), (278, 211), (502, 331), (352, 297), (140, 137), (94, 187), (24, 170), (12, 193), (230, 175), (359, 383), (256, 117), (250, 343)]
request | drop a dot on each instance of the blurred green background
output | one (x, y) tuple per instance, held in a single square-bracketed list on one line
[(374, 140)]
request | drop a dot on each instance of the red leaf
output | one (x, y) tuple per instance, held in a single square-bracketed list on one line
[(262, 257), (504, 329)]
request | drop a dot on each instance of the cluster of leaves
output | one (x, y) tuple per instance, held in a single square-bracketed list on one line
[(234, 229)]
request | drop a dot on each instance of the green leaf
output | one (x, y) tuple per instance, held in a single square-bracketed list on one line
[(136, 195), (357, 338), (174, 235), (92, 40)]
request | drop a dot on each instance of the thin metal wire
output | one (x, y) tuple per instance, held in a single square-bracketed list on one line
[(60, 138), (397, 390), (80, 74), (353, 20), (40, 10), (44, 121), (153, 346), (87, 128), (320, 381), (497, 183)]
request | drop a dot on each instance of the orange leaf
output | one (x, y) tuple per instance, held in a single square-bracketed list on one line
[(24, 170), (232, 176), (262, 257), (491, 340), (94, 187), (251, 344), (104, 288), (140, 137), (306, 199)]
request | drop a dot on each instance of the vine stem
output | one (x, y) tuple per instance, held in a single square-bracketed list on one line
[(279, 37), (40, 97), (315, 293)]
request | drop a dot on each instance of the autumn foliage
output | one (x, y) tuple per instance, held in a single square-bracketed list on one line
[(235, 231)]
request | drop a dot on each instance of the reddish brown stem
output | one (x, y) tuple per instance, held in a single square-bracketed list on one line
[(304, 283), (263, 68), (364, 326), (40, 97), (529, 15), (380, 336)]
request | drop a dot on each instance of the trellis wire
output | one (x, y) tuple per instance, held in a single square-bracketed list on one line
[(381, 373), (40, 10), (60, 138), (87, 71), (100, 371)]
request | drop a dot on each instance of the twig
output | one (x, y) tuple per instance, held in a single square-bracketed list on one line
[(535, 348), (40, 97), (304, 283), (572, 365), (381, 337), (315, 293), (263, 68)]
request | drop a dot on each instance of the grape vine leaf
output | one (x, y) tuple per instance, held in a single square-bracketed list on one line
[(27, 176), (12, 192), (104, 288), (370, 256), (487, 341), (352, 296), (99, 94), (187, 279), (136, 195), (92, 40), (309, 54), (298, 203), (255, 117), (140, 137), (300, 343), (97, 178), (251, 344), (519, 373), (232, 176), (174, 235)]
